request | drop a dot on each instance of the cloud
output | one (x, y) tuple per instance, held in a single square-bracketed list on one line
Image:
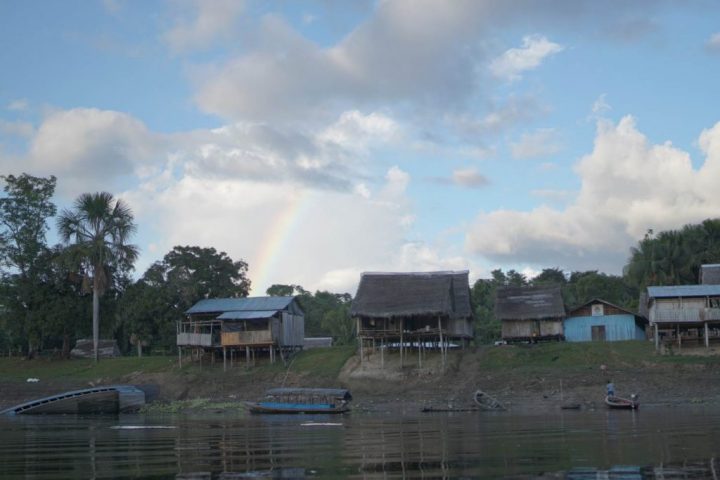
[(628, 185), (201, 23), (18, 105), (281, 232), (87, 148), (465, 178), (713, 43), (541, 143), (535, 48), (16, 129)]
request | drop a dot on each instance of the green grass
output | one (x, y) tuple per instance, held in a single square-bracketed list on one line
[(322, 362), (582, 355), (19, 369)]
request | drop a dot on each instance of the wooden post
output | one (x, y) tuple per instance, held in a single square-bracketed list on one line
[(679, 337), (707, 336), (382, 353), (419, 353), (272, 354), (247, 356), (362, 359), (180, 356), (657, 337), (224, 359), (402, 342), (442, 346)]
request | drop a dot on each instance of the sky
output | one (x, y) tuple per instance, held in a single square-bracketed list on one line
[(320, 139)]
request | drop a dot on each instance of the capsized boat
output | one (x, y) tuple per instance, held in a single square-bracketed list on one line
[(631, 403), (302, 400), (107, 399)]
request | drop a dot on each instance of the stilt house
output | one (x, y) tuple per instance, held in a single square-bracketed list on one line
[(598, 320), (684, 314), (243, 326), (530, 313), (428, 308)]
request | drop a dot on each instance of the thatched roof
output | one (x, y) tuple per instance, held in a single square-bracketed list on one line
[(387, 295), (528, 303)]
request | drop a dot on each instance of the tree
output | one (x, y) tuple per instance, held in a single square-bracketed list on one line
[(98, 228), (151, 306), (24, 212), (280, 290)]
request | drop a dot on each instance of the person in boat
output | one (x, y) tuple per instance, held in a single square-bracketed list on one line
[(610, 388)]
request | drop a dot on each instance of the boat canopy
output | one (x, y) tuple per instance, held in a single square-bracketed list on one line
[(338, 393)]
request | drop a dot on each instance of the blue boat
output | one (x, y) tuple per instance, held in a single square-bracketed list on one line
[(302, 400)]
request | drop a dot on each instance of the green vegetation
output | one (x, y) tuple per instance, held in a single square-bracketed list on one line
[(323, 362), (19, 369), (45, 301), (568, 356)]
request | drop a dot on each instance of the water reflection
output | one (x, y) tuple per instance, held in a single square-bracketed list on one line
[(652, 443)]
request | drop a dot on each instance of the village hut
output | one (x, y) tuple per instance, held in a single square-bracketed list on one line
[(423, 309), (710, 274), (530, 313), (599, 320), (684, 314), (243, 326)]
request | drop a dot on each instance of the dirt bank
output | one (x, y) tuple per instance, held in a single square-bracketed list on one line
[(520, 377)]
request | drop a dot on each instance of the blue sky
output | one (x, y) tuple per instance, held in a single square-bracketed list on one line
[(317, 140)]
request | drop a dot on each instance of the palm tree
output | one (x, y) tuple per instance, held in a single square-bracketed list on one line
[(98, 229)]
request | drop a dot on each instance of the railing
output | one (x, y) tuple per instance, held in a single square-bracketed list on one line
[(194, 339), (253, 337), (711, 314), (679, 315)]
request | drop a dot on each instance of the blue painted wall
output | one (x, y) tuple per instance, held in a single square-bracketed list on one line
[(617, 327)]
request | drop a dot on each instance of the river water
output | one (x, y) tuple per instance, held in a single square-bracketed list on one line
[(650, 443)]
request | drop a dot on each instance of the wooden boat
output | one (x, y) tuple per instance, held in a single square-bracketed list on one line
[(622, 403), (302, 400), (106, 399), (486, 401)]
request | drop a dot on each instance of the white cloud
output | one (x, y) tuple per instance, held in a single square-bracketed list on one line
[(16, 129), (713, 43), (202, 22), (288, 235), (88, 148), (535, 48), (600, 105), (18, 105), (627, 186), (469, 178), (541, 143)]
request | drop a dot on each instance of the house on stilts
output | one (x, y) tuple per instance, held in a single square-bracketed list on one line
[(530, 313), (412, 310), (242, 327)]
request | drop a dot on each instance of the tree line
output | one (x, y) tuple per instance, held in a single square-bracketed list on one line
[(51, 295)]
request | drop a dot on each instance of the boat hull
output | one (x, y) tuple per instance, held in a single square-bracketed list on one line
[(621, 403), (279, 408)]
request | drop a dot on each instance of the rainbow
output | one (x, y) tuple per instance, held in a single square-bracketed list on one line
[(276, 241)]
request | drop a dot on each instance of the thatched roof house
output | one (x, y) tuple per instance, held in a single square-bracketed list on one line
[(388, 303), (530, 313)]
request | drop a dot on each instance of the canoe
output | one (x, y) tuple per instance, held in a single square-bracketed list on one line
[(289, 408), (622, 403), (302, 400), (487, 402)]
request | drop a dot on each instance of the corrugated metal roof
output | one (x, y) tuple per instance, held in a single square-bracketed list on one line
[(217, 305), (247, 315), (684, 291)]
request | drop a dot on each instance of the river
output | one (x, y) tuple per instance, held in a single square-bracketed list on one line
[(650, 443)]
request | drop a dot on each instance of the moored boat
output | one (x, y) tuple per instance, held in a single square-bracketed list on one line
[(622, 403), (302, 400)]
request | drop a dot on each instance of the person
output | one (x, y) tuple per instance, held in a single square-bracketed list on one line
[(610, 389)]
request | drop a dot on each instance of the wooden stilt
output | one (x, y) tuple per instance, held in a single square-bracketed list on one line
[(180, 356), (382, 353), (401, 345), (247, 356), (679, 338), (707, 336), (224, 359), (657, 337)]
